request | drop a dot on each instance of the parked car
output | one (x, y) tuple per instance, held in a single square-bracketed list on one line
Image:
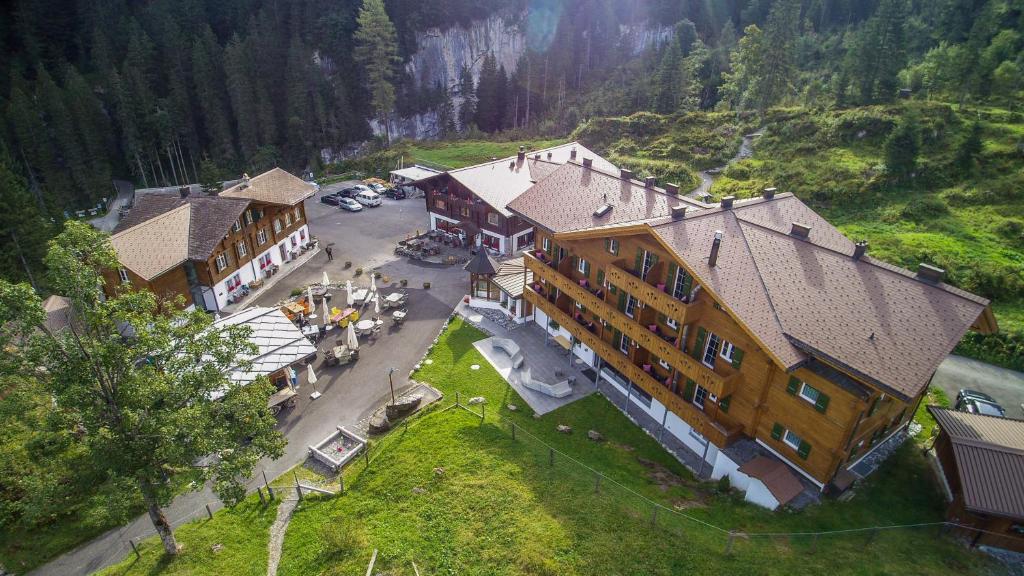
[(349, 192), (362, 188), (368, 198), (331, 199), (977, 403), (378, 188), (395, 194), (349, 204)]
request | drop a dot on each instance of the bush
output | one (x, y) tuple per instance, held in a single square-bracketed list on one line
[(924, 209), (1004, 349), (723, 484), (359, 271), (1012, 230), (296, 292)]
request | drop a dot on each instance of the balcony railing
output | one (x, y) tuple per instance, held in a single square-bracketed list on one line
[(702, 423), (669, 351), (653, 295)]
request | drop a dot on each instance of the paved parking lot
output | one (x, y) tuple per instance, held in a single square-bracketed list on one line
[(1006, 386)]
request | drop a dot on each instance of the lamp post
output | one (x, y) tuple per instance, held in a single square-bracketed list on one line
[(391, 383)]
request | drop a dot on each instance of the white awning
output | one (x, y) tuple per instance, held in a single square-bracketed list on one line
[(279, 343)]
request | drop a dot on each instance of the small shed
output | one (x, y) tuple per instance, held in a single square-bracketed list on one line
[(981, 469), (411, 174), (772, 484), (482, 269), (280, 346)]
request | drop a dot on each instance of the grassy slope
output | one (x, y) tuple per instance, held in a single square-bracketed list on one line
[(468, 152), (499, 508), (243, 533)]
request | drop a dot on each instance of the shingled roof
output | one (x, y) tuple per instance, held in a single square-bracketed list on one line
[(801, 298), (156, 245), (989, 454), (275, 186)]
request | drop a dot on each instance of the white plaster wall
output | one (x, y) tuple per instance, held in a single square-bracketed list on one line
[(758, 493)]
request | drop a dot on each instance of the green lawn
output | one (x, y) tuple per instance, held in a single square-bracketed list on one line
[(500, 508), (461, 153)]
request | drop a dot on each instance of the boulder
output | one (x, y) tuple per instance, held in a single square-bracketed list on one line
[(439, 471), (512, 407), (379, 424), (417, 490), (564, 429), (476, 400), (403, 406), (595, 435)]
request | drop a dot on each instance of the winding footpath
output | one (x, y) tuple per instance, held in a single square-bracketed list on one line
[(707, 177)]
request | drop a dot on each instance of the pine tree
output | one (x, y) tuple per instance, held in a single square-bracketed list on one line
[(467, 91), (901, 149), (238, 74), (877, 53), (487, 94), (208, 75), (667, 79), (775, 74), (970, 148), (377, 52), (25, 231)]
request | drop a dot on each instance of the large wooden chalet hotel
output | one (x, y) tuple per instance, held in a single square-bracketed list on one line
[(752, 331)]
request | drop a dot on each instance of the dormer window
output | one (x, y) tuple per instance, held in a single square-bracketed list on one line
[(248, 217), (237, 226), (123, 274)]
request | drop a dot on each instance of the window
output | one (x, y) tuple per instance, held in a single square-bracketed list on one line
[(464, 211), (277, 225), (809, 393), (439, 204), (298, 214), (792, 440), (699, 396), (581, 266), (711, 350), (265, 260), (546, 244), (727, 350), (624, 345), (234, 282), (648, 263), (287, 218), (248, 217), (123, 274), (261, 236), (612, 245), (492, 218), (241, 249), (222, 261), (237, 226), (672, 323), (664, 364), (630, 305), (682, 285)]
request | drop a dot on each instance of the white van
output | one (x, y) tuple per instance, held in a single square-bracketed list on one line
[(368, 198)]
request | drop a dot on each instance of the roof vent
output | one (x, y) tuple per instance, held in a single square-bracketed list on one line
[(800, 230), (587, 162), (184, 191), (602, 210), (572, 153), (626, 174), (672, 188), (769, 193), (930, 273), (678, 211), (859, 249), (716, 245), (727, 201), (650, 181)]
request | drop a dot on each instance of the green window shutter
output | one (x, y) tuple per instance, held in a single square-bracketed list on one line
[(698, 345), (586, 268), (687, 284), (617, 339), (612, 289), (737, 358), (822, 404), (691, 387), (607, 244), (723, 404), (622, 301), (662, 318), (558, 253), (670, 283), (550, 246), (615, 249), (874, 406), (600, 276), (793, 386), (575, 262), (654, 260), (639, 266), (804, 450), (777, 430)]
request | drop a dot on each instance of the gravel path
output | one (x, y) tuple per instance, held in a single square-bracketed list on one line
[(707, 177), (277, 530)]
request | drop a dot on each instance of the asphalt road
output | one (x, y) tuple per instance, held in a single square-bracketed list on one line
[(1006, 386), (351, 392)]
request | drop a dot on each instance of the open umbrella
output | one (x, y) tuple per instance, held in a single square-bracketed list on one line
[(350, 299), (351, 339), (311, 378), (373, 283), (327, 281), (309, 298)]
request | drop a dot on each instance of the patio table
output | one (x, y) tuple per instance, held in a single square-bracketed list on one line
[(364, 326), (360, 294)]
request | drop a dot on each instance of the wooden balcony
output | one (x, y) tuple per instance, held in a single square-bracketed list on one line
[(651, 295), (719, 434), (669, 351)]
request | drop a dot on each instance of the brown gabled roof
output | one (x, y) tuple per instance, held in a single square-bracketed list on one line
[(512, 276), (776, 476), (989, 454), (59, 313), (567, 199), (275, 186), (156, 245)]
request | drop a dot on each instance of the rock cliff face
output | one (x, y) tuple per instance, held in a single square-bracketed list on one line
[(441, 55)]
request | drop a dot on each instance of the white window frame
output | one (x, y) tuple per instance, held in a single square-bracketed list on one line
[(242, 250), (672, 323), (700, 393), (237, 226), (492, 218), (646, 264), (664, 364), (546, 244), (631, 304), (624, 345), (248, 217), (813, 399), (123, 274), (277, 225), (712, 337), (287, 219), (298, 214), (613, 245), (727, 347), (222, 262), (581, 266), (261, 236), (786, 439), (677, 284)]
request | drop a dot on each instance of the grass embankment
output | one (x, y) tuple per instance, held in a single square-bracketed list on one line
[(968, 220), (498, 507)]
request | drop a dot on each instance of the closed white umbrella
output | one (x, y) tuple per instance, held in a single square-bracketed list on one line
[(327, 311), (349, 298), (327, 281), (311, 378), (309, 298), (351, 339), (376, 304), (373, 283)]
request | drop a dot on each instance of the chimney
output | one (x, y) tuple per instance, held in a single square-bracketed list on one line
[(769, 193), (587, 162), (650, 181), (727, 201), (930, 273), (859, 249), (715, 246), (678, 211), (672, 188), (572, 153), (800, 230), (245, 181), (184, 191), (626, 174), (522, 153)]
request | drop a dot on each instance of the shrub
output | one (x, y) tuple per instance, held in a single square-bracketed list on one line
[(1012, 230), (1004, 349), (723, 484), (296, 292), (924, 209), (359, 271)]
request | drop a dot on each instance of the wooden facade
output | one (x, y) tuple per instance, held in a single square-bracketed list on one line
[(627, 286), (452, 201)]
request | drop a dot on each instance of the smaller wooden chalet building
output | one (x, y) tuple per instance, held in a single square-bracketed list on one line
[(499, 286), (981, 465)]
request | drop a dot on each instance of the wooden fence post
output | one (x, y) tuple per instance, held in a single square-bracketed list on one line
[(814, 544), (457, 402), (597, 483), (298, 487), (341, 483), (366, 455), (654, 516), (551, 456), (209, 512), (263, 499), (513, 430), (728, 543), (483, 412), (266, 482), (134, 548)]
